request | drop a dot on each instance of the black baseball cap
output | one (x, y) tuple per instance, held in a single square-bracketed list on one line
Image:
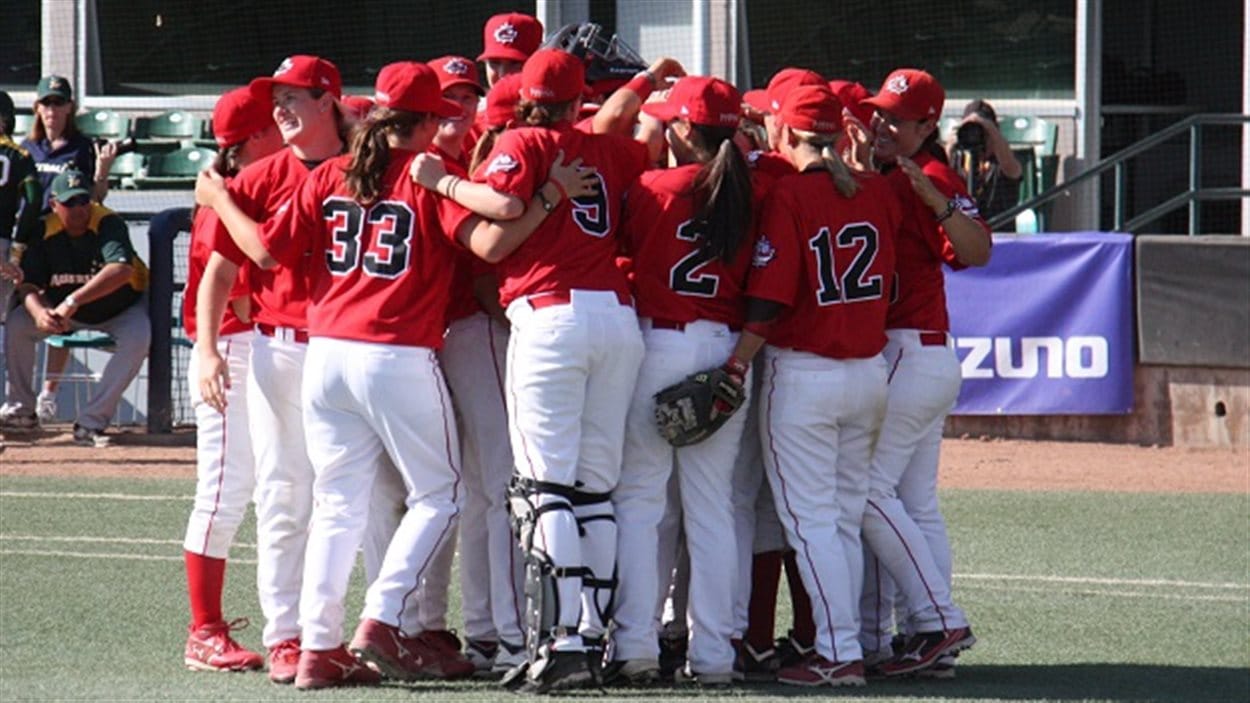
[(54, 85)]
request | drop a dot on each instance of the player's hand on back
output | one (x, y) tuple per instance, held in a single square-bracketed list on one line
[(920, 183), (209, 185), (576, 180)]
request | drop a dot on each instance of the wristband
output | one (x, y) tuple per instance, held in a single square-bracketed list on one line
[(951, 207), (642, 84), (70, 301), (736, 366)]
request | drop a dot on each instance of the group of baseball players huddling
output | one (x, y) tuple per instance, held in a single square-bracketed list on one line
[(416, 321)]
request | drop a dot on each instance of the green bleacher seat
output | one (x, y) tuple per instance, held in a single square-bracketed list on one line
[(176, 169), (174, 125), (103, 123), (82, 339), (126, 168)]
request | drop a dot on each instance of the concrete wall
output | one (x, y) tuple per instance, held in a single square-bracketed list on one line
[(1176, 406)]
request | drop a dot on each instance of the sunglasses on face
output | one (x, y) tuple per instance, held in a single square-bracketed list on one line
[(54, 102), (76, 201)]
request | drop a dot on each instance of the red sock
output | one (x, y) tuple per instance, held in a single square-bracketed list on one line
[(205, 578), (762, 610), (804, 625)]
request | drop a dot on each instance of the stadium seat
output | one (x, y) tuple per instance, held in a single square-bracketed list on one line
[(103, 123), (126, 168), (176, 169), (174, 125)]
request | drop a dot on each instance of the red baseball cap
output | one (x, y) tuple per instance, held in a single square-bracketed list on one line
[(412, 86), (786, 80), (911, 94), (238, 115), (502, 100), (852, 96), (552, 76), (757, 100), (701, 100), (301, 71), (511, 37), (358, 105), (812, 108), (456, 70)]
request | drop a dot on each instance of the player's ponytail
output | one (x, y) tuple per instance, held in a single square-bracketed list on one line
[(483, 147), (371, 152), (533, 114), (722, 191), (843, 179)]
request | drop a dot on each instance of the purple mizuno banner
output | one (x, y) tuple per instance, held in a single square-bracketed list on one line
[(1047, 327)]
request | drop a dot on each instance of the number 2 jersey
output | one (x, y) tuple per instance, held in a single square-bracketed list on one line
[(575, 247), (829, 260), (380, 272), (673, 278)]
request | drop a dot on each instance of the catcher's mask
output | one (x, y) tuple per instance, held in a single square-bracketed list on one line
[(610, 62)]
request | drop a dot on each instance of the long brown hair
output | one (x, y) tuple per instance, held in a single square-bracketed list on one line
[(532, 114), (483, 147), (227, 160), (37, 131), (841, 174), (371, 153), (722, 190)]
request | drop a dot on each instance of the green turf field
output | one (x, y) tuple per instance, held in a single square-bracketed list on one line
[(1074, 596)]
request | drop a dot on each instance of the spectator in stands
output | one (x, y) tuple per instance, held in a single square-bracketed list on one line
[(983, 158), (56, 144), (82, 273)]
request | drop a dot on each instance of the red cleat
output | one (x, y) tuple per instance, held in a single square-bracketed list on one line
[(211, 648)]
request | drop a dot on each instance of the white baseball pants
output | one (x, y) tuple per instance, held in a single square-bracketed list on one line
[(570, 368), (474, 357), (224, 470), (363, 400), (902, 523), (284, 479), (819, 418), (704, 473)]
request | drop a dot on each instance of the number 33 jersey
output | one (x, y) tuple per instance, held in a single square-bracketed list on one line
[(380, 272), (576, 246), (674, 278), (830, 261)]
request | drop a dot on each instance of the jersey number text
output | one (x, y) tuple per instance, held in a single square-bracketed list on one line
[(685, 278), (386, 256), (590, 212), (852, 285)]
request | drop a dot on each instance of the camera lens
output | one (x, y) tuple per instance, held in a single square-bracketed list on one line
[(970, 136)]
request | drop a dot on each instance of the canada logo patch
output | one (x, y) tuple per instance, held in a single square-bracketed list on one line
[(504, 163), (456, 67), (897, 84), (764, 253), (286, 65), (505, 33)]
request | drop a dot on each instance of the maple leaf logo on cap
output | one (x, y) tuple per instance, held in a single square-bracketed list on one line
[(897, 85), (504, 163), (286, 65), (456, 67), (505, 33)]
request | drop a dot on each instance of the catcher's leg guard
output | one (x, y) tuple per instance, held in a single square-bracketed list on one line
[(530, 502), (596, 521)]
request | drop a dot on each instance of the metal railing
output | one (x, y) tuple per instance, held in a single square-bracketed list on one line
[(1116, 163)]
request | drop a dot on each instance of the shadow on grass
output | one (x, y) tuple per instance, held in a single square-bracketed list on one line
[(1063, 682)]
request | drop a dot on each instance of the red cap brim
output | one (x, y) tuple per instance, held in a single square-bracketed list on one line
[(503, 54), (661, 111)]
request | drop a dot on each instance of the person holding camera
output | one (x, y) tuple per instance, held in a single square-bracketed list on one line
[(983, 158)]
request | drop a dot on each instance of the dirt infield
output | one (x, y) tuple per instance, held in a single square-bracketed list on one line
[(966, 463)]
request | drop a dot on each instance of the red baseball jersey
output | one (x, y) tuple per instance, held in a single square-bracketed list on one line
[(829, 259), (463, 302), (377, 273), (576, 245), (922, 248), (279, 295), (202, 227), (673, 279)]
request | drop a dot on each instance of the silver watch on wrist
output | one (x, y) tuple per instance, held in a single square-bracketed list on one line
[(70, 301)]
